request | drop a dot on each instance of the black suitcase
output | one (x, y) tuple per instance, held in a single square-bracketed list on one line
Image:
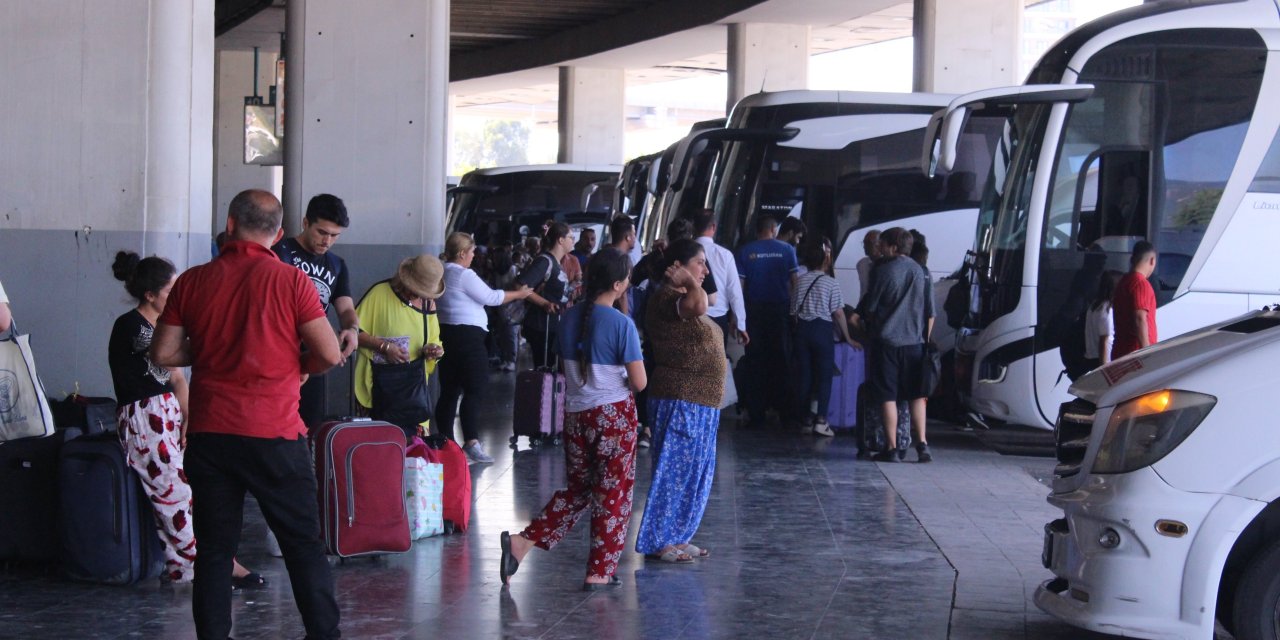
[(29, 499), (870, 429), (107, 528)]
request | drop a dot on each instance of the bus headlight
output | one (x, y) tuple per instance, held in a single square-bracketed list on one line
[(1145, 429)]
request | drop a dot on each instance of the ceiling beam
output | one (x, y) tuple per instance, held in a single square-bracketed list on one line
[(659, 19)]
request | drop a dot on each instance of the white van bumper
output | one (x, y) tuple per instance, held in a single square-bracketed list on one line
[(1150, 584)]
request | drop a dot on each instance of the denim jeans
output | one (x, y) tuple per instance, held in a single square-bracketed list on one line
[(280, 475), (815, 351)]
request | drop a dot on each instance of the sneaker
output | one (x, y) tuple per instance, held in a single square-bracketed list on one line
[(475, 451), (922, 453), (508, 366), (902, 455), (644, 441), (823, 429)]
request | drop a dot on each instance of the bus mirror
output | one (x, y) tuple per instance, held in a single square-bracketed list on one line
[(955, 115), (932, 146)]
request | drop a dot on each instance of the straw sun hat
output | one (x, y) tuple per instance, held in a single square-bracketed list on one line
[(423, 276)]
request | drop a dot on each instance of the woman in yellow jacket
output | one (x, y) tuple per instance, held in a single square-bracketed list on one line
[(400, 344)]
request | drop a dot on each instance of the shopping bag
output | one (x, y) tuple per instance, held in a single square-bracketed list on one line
[(730, 396), (424, 492), (24, 410)]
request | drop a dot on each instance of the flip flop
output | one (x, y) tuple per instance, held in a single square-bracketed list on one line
[(249, 580), (613, 582), (674, 555), (508, 566), (695, 551)]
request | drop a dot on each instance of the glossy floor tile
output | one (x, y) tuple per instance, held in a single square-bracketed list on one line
[(806, 543)]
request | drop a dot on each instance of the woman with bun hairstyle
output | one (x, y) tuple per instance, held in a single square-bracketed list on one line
[(150, 414)]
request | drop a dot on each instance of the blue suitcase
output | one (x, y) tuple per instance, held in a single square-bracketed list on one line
[(106, 524)]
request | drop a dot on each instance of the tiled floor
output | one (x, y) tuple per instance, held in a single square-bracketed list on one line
[(806, 543)]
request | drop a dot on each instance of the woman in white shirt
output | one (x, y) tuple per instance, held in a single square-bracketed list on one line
[(1099, 327), (464, 326)]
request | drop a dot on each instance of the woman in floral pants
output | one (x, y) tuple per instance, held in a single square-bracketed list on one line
[(151, 403), (603, 367)]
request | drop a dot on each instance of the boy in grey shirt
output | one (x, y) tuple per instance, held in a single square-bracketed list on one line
[(898, 310)]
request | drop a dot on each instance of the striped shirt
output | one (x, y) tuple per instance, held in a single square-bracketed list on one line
[(816, 296)]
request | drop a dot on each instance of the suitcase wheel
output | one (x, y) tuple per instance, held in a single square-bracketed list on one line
[(555, 440), (513, 440), (535, 442)]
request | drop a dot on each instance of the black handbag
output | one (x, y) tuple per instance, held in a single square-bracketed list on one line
[(400, 395), (930, 369), (399, 392)]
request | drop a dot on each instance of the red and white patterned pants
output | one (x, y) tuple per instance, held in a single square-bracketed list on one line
[(150, 430), (600, 457)]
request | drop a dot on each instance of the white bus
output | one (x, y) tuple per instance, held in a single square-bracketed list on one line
[(1161, 97), (505, 203), (846, 163)]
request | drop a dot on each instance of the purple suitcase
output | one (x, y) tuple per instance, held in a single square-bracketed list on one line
[(842, 413), (539, 406)]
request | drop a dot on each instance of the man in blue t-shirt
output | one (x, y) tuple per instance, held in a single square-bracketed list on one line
[(326, 219), (768, 269)]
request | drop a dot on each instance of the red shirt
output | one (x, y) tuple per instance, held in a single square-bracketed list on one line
[(242, 313), (1133, 294)]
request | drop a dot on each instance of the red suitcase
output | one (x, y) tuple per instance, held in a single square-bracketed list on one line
[(360, 470), (456, 500), (539, 407)]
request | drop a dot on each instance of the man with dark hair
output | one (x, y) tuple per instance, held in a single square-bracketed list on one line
[(898, 312), (622, 239), (585, 246), (792, 231), (724, 269), (768, 269), (1133, 305), (236, 322), (326, 219)]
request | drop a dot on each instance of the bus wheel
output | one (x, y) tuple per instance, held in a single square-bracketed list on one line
[(1257, 607)]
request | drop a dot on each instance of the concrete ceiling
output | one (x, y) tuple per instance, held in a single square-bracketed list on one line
[(508, 50)]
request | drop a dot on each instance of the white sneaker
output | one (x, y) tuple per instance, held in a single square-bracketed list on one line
[(823, 429), (475, 451)]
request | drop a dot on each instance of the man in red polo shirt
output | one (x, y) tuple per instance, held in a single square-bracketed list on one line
[(1133, 305), (238, 322)]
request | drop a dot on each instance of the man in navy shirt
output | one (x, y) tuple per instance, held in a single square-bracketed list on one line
[(326, 219), (768, 269)]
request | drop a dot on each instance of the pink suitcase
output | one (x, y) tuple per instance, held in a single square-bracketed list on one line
[(360, 470), (539, 407)]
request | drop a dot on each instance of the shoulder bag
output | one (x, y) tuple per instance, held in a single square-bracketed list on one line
[(24, 410)]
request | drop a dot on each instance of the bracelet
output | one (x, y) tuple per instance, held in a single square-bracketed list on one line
[(382, 347)]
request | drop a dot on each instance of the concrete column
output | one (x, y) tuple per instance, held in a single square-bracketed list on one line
[(966, 45), (767, 57), (366, 96), (592, 115), (231, 175), (107, 146)]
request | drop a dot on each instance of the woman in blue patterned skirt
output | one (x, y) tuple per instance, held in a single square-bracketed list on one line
[(685, 390)]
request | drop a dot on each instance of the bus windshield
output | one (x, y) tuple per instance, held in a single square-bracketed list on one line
[(845, 172), (502, 203)]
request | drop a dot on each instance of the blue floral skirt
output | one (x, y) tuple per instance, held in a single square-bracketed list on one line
[(684, 464)]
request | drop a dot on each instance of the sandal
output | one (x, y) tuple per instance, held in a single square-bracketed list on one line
[(695, 551), (613, 582), (508, 564), (674, 555), (249, 580)]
